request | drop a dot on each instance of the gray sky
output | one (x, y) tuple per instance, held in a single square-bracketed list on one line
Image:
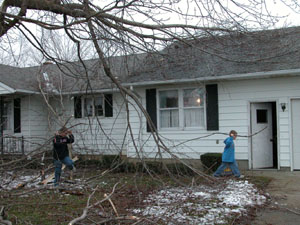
[(287, 16)]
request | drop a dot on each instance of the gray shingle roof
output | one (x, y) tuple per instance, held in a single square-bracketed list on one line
[(224, 55), (70, 77), (18, 78), (261, 51)]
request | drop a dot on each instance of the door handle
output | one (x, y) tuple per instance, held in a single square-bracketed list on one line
[(271, 139)]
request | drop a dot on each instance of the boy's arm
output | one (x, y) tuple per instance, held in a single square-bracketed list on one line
[(70, 139), (228, 141)]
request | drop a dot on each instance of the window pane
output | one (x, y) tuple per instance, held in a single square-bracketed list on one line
[(262, 115), (99, 106), (7, 113), (88, 107), (169, 118), (194, 117), (193, 97), (168, 99)]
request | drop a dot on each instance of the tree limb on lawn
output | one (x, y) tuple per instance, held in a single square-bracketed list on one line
[(88, 206)]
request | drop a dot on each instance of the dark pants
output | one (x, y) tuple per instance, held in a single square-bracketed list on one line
[(58, 165)]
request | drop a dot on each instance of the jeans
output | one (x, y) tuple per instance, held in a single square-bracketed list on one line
[(58, 165), (232, 165)]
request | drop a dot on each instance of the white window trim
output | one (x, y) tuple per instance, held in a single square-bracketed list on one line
[(180, 108), (93, 97)]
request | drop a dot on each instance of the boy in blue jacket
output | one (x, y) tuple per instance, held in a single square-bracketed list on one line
[(228, 159)]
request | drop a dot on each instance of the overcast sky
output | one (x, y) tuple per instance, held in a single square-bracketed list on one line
[(289, 17)]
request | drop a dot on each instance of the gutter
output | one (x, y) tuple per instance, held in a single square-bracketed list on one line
[(241, 76), (26, 91), (107, 90)]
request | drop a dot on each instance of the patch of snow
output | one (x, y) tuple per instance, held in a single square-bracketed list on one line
[(201, 204)]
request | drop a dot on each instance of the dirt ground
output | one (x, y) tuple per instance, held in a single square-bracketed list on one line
[(284, 190)]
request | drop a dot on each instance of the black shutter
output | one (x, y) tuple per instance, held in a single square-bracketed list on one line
[(151, 107), (108, 107), (77, 107), (17, 115), (212, 107)]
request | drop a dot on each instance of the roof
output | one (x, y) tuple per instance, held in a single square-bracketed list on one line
[(208, 57), (18, 78), (222, 56), (69, 77)]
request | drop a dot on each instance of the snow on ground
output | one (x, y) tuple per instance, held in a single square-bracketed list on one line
[(215, 204), (202, 204), (12, 180)]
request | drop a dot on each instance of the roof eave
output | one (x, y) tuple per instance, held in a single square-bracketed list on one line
[(6, 89)]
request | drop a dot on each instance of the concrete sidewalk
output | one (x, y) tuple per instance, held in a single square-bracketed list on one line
[(284, 190)]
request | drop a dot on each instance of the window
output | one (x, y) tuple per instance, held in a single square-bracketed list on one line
[(193, 106), (262, 115), (169, 111), (89, 106), (181, 108), (7, 115), (93, 106)]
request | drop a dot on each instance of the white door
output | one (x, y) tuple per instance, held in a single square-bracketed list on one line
[(296, 133), (262, 145)]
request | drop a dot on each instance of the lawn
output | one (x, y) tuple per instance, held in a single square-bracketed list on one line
[(137, 198)]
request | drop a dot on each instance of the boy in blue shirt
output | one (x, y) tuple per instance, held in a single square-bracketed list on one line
[(228, 158)]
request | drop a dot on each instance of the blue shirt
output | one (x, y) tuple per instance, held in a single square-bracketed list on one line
[(228, 154)]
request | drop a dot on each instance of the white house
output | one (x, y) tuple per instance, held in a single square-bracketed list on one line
[(194, 93)]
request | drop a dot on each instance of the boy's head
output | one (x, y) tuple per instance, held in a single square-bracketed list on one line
[(233, 134), (63, 131)]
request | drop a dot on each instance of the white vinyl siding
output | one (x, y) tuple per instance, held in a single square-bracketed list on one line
[(34, 122), (98, 135), (234, 103)]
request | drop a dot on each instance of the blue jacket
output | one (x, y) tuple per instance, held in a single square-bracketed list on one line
[(228, 154)]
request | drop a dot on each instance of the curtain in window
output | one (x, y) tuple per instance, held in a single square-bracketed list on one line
[(194, 117), (169, 118), (7, 115), (99, 106), (88, 107)]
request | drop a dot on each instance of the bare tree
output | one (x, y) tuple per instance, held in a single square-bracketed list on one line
[(103, 29)]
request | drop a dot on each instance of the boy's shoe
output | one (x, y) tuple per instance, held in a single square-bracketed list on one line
[(242, 176)]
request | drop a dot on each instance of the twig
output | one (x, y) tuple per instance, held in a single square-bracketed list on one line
[(112, 204), (290, 210)]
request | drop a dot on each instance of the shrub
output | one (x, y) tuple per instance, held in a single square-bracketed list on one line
[(211, 160), (110, 161), (180, 169)]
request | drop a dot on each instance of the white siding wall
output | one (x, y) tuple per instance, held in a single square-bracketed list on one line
[(34, 121), (101, 135), (234, 104)]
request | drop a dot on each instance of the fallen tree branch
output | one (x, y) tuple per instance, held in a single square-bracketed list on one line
[(2, 217), (112, 204), (88, 206)]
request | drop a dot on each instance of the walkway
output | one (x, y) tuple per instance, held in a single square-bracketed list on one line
[(284, 190)]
